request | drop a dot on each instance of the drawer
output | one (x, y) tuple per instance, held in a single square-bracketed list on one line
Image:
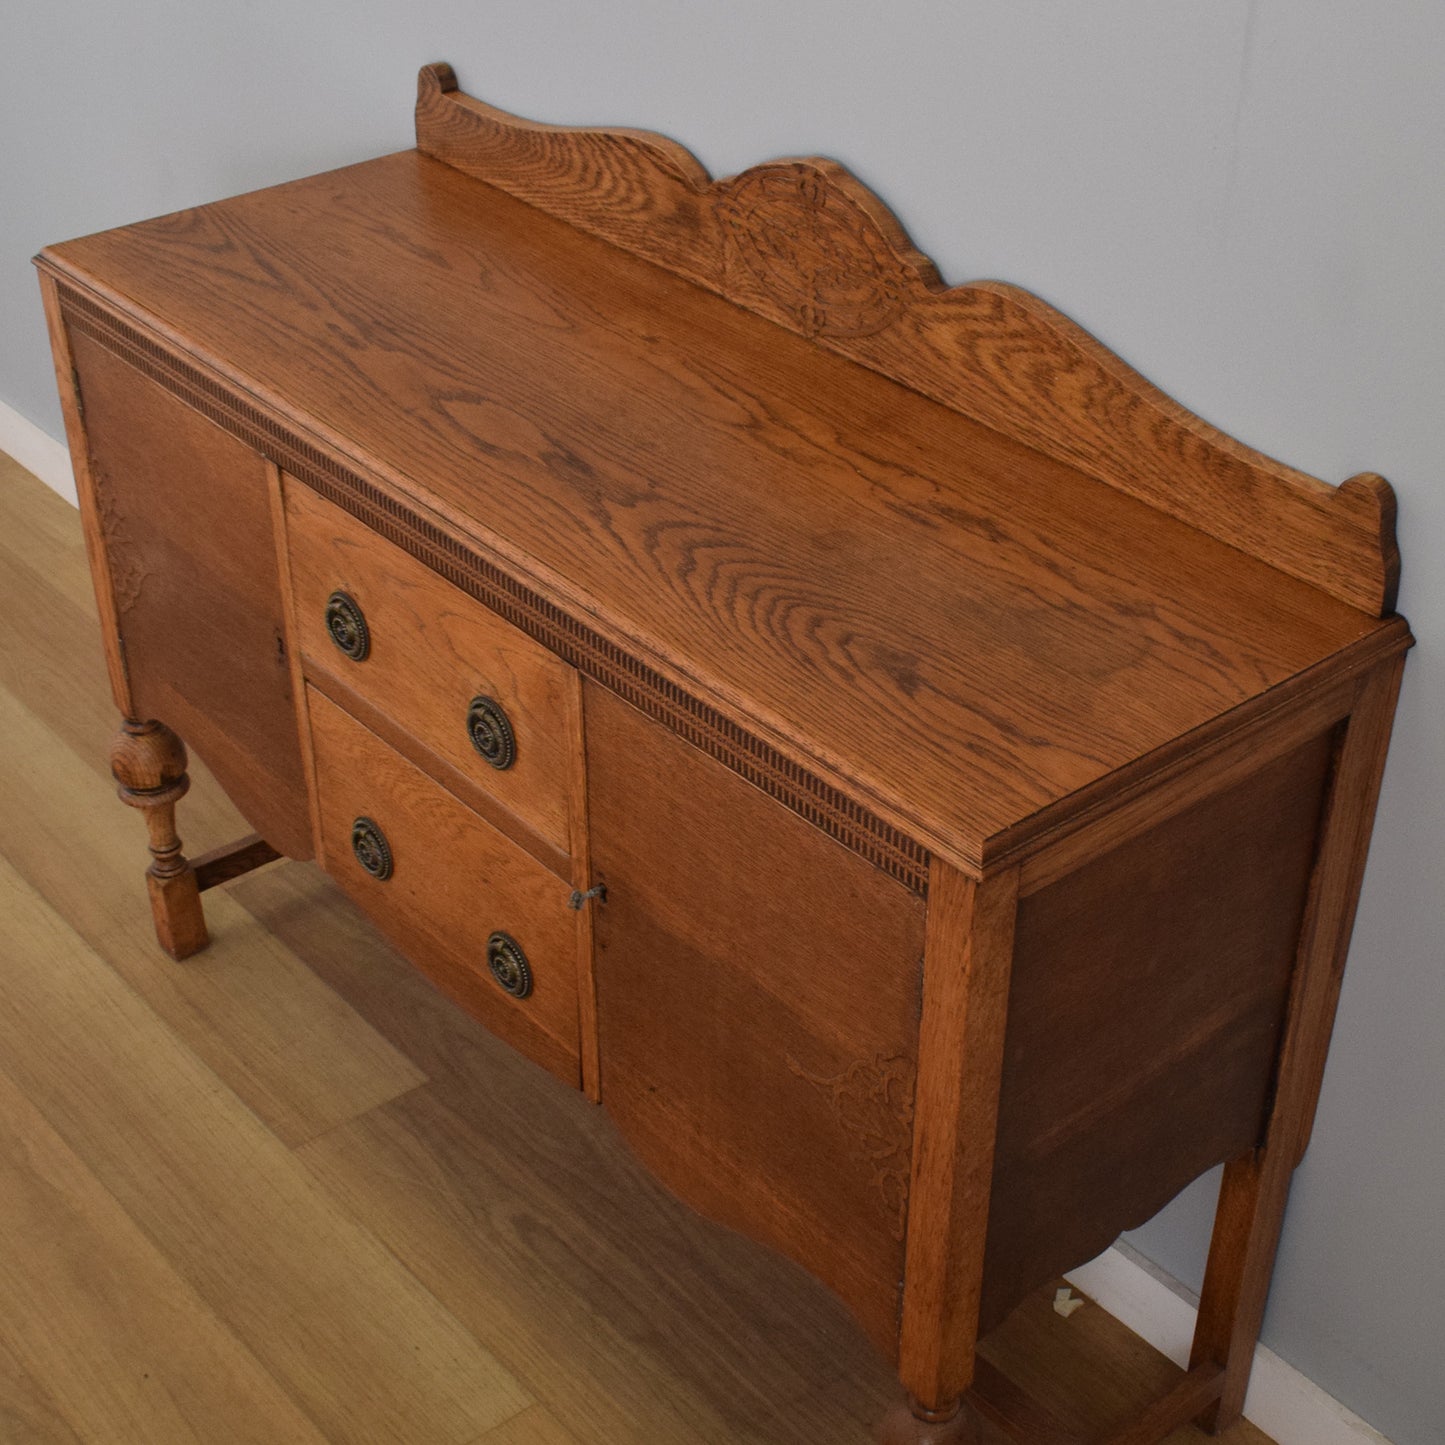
[(468, 907), (492, 711)]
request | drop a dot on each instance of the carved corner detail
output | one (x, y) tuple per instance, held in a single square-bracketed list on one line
[(872, 1101), (127, 575)]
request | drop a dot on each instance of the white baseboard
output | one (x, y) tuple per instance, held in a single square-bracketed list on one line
[(1282, 1402), (37, 451)]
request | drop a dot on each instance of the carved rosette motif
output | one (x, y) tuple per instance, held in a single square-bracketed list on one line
[(872, 1101), (812, 251)]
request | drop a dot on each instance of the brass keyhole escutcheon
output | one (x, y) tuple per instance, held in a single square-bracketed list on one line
[(509, 965), (346, 623), (491, 733), (372, 850)]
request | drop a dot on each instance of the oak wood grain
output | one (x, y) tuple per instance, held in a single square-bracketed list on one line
[(456, 882), (243, 1011), (68, 387), (970, 590), (185, 518), (461, 786), (1207, 771), (805, 244), (432, 650), (758, 996), (1256, 1183), (1148, 1002), (967, 962)]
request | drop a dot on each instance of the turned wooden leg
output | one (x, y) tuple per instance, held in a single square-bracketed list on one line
[(911, 1423), (149, 764)]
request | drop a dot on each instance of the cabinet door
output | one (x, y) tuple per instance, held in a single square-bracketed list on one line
[(184, 515), (758, 996)]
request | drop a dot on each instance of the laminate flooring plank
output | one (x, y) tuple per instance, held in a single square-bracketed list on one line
[(36, 522), (96, 1315), (595, 1336), (531, 1427), (50, 646), (29, 1414), (283, 1041), (354, 1339)]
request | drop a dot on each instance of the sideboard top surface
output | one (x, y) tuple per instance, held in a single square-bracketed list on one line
[(966, 631)]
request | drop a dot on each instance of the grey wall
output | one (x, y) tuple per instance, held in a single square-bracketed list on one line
[(1243, 197)]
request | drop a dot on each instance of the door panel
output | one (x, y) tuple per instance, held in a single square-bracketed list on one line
[(185, 516), (758, 993)]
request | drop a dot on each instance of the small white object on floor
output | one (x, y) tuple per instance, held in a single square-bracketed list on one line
[(1066, 1302)]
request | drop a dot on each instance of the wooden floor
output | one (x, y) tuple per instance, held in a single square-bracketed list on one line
[(286, 1193)]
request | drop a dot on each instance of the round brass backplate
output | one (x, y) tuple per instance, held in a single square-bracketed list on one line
[(346, 624), (491, 733), (372, 850), (509, 965)]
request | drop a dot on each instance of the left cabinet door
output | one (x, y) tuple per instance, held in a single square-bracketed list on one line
[(183, 513)]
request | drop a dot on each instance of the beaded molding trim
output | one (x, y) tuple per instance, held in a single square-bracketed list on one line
[(824, 806)]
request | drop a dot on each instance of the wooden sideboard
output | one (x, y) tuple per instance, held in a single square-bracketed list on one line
[(912, 773)]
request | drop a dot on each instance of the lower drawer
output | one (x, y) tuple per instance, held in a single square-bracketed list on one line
[(483, 920)]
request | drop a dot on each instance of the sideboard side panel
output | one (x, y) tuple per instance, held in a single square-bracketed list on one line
[(184, 515), (1147, 1007), (758, 1000)]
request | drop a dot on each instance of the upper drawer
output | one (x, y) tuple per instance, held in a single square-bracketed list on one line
[(476, 693)]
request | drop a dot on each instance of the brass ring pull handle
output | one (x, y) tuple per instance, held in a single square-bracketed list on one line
[(372, 850), (491, 733), (509, 965), (347, 625)]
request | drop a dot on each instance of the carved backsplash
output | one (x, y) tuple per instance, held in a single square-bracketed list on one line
[(801, 241), (807, 245)]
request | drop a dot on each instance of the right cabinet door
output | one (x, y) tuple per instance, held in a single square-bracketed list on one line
[(758, 997)]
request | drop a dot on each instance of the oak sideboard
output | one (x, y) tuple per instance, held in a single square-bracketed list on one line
[(913, 774)]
